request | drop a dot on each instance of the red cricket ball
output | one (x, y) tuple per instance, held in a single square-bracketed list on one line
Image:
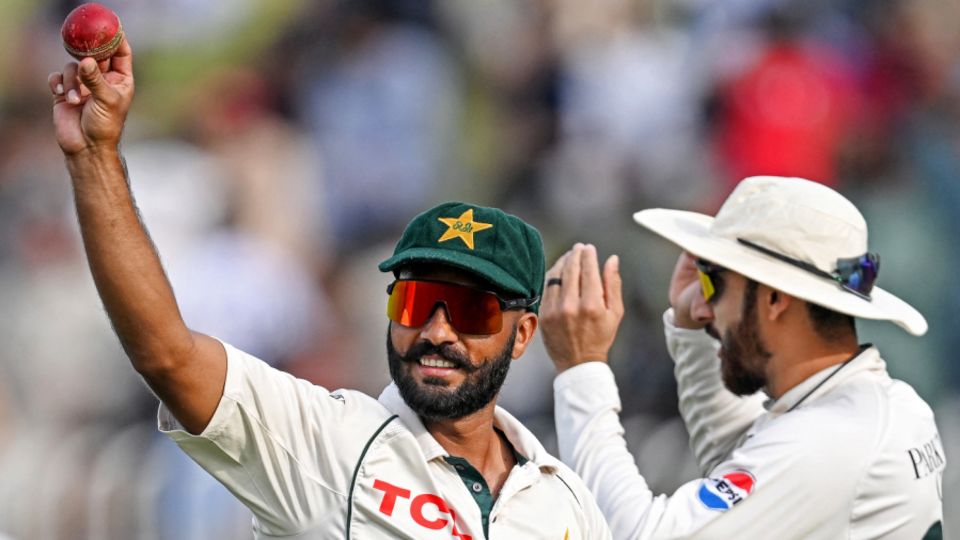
[(92, 30)]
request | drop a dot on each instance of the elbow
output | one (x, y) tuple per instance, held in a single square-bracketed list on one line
[(153, 368), (159, 359)]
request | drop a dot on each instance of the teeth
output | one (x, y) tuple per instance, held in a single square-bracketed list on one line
[(436, 362)]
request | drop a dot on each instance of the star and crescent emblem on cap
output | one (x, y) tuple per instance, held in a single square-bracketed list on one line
[(462, 227)]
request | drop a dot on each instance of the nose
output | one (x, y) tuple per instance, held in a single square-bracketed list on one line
[(437, 329), (701, 310)]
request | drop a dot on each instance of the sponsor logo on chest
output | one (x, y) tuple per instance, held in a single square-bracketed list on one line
[(427, 510)]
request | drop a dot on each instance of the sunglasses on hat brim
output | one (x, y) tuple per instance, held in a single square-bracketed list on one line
[(469, 310), (855, 275)]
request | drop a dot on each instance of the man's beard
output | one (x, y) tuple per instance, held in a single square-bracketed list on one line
[(743, 356), (433, 400)]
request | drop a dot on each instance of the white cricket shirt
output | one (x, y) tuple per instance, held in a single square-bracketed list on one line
[(847, 454), (314, 464)]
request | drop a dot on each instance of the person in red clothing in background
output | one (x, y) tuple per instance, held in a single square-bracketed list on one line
[(788, 113)]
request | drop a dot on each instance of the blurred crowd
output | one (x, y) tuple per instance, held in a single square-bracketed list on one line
[(276, 150)]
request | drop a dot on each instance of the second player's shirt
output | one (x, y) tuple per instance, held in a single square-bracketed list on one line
[(311, 463), (847, 454)]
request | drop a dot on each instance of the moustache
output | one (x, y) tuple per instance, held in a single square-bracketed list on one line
[(447, 352), (712, 332)]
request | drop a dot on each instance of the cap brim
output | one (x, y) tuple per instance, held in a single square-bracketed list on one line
[(458, 259), (691, 231)]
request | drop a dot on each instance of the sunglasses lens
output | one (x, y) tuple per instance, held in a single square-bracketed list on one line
[(860, 273), (408, 305), (707, 271), (706, 285), (470, 311)]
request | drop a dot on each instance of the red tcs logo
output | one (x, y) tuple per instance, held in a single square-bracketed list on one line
[(391, 493)]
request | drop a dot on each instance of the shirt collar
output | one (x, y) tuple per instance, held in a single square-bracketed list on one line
[(827, 379), (524, 442)]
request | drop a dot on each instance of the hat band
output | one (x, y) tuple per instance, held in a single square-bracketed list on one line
[(855, 275)]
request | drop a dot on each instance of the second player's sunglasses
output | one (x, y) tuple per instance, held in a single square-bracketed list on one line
[(710, 283), (470, 310)]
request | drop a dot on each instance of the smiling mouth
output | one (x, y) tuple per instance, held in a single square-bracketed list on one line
[(437, 363)]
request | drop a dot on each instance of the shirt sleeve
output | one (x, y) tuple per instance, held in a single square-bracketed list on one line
[(716, 418), (780, 477), (590, 440), (284, 447)]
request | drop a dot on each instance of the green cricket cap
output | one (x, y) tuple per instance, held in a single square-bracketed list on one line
[(487, 242)]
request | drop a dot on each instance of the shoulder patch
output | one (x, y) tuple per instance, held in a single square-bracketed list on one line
[(724, 492)]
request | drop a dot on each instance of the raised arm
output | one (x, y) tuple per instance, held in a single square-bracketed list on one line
[(579, 319), (186, 370)]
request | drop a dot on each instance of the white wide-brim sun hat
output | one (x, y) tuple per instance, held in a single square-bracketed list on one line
[(793, 217)]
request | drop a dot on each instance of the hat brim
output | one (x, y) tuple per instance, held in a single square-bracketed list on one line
[(691, 231), (458, 259)]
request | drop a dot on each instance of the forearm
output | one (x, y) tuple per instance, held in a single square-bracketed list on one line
[(126, 269), (591, 440)]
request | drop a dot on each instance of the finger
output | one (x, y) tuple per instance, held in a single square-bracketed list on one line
[(613, 284), (684, 272), (571, 274), (591, 287), (71, 84), (55, 81), (554, 270), (551, 294), (92, 78), (122, 60), (683, 264)]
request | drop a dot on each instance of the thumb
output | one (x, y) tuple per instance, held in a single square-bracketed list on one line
[(91, 77)]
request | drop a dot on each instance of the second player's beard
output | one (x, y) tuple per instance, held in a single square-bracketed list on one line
[(743, 356), (433, 400)]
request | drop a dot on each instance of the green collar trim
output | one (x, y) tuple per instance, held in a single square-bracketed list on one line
[(477, 487)]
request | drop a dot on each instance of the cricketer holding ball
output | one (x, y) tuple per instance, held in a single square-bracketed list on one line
[(431, 458), (799, 431)]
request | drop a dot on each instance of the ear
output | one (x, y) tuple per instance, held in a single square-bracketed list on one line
[(776, 303), (526, 328)]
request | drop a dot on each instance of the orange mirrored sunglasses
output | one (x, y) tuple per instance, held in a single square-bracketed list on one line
[(469, 310)]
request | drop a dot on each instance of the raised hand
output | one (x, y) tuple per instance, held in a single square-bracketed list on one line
[(580, 315), (91, 100)]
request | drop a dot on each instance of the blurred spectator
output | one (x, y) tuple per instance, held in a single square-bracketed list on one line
[(229, 284), (268, 162), (382, 108), (789, 113)]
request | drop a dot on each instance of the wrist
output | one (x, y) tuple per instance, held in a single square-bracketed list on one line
[(95, 160), (564, 366), (98, 170), (95, 152)]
